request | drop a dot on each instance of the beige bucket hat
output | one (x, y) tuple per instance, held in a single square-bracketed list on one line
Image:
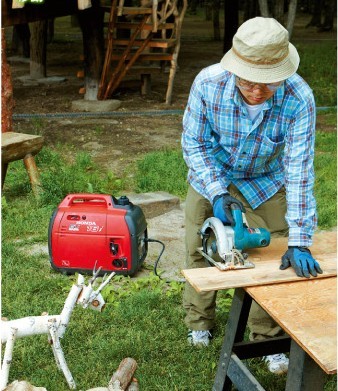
[(261, 52)]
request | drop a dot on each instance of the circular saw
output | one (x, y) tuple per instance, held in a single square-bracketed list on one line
[(223, 245)]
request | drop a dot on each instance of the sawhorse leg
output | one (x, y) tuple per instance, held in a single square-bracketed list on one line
[(304, 373), (230, 369), (234, 332)]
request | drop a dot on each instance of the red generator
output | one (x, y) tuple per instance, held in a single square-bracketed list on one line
[(87, 231)]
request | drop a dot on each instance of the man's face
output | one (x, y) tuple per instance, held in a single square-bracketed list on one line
[(256, 93)]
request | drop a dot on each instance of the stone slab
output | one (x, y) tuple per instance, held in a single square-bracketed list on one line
[(96, 106), (29, 81), (155, 203)]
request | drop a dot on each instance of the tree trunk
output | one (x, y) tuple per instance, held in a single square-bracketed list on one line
[(20, 40), (231, 23), (264, 8), (208, 10), (38, 54), (316, 14), (329, 14), (7, 101), (251, 9), (215, 16), (291, 16), (278, 11)]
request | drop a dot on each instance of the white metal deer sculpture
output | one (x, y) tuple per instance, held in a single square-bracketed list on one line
[(52, 325)]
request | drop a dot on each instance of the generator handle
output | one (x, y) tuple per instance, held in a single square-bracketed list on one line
[(87, 198)]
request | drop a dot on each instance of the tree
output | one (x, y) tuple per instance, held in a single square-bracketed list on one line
[(278, 12), (231, 23)]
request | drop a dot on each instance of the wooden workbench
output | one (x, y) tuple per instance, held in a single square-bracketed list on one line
[(306, 309)]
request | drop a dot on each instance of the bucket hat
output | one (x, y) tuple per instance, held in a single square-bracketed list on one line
[(261, 52)]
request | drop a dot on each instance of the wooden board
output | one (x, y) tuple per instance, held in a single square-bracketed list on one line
[(15, 146), (267, 262), (307, 311)]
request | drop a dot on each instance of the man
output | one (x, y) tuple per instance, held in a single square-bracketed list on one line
[(248, 139)]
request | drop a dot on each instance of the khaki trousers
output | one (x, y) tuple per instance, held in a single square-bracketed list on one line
[(200, 307)]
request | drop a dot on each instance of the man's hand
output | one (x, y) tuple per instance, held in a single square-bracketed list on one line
[(222, 208), (302, 261)]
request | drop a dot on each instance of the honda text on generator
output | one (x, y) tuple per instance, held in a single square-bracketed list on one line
[(89, 231)]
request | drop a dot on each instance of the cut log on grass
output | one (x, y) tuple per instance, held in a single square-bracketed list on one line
[(123, 376), (98, 389), (23, 386), (133, 386)]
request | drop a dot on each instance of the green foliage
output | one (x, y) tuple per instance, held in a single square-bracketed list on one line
[(126, 287), (326, 179), (82, 176), (60, 177), (163, 170), (318, 66)]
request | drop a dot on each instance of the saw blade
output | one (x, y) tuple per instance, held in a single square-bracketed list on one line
[(209, 246)]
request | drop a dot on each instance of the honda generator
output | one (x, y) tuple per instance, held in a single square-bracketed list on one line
[(88, 231)]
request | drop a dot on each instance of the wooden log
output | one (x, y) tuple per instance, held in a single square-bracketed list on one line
[(134, 386), (23, 386), (123, 375)]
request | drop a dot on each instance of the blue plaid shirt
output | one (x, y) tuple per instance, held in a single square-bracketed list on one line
[(221, 145)]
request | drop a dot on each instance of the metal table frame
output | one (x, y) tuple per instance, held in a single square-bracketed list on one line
[(304, 373)]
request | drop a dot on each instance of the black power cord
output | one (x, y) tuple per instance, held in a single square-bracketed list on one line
[(159, 257)]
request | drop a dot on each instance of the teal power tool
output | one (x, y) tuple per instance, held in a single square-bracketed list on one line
[(223, 245)]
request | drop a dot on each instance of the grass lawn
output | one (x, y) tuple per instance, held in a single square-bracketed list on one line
[(143, 318)]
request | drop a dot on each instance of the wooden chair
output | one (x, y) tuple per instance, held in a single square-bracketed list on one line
[(17, 146), (153, 42)]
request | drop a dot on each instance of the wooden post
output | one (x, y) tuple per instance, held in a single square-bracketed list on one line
[(145, 84), (91, 23), (38, 49)]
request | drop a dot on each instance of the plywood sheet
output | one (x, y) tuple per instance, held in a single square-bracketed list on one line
[(307, 311), (267, 262)]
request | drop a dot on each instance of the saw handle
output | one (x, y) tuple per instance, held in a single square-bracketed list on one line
[(237, 215)]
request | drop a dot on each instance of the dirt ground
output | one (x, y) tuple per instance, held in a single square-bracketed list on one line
[(114, 142)]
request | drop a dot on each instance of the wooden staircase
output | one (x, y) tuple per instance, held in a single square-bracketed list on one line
[(153, 39)]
